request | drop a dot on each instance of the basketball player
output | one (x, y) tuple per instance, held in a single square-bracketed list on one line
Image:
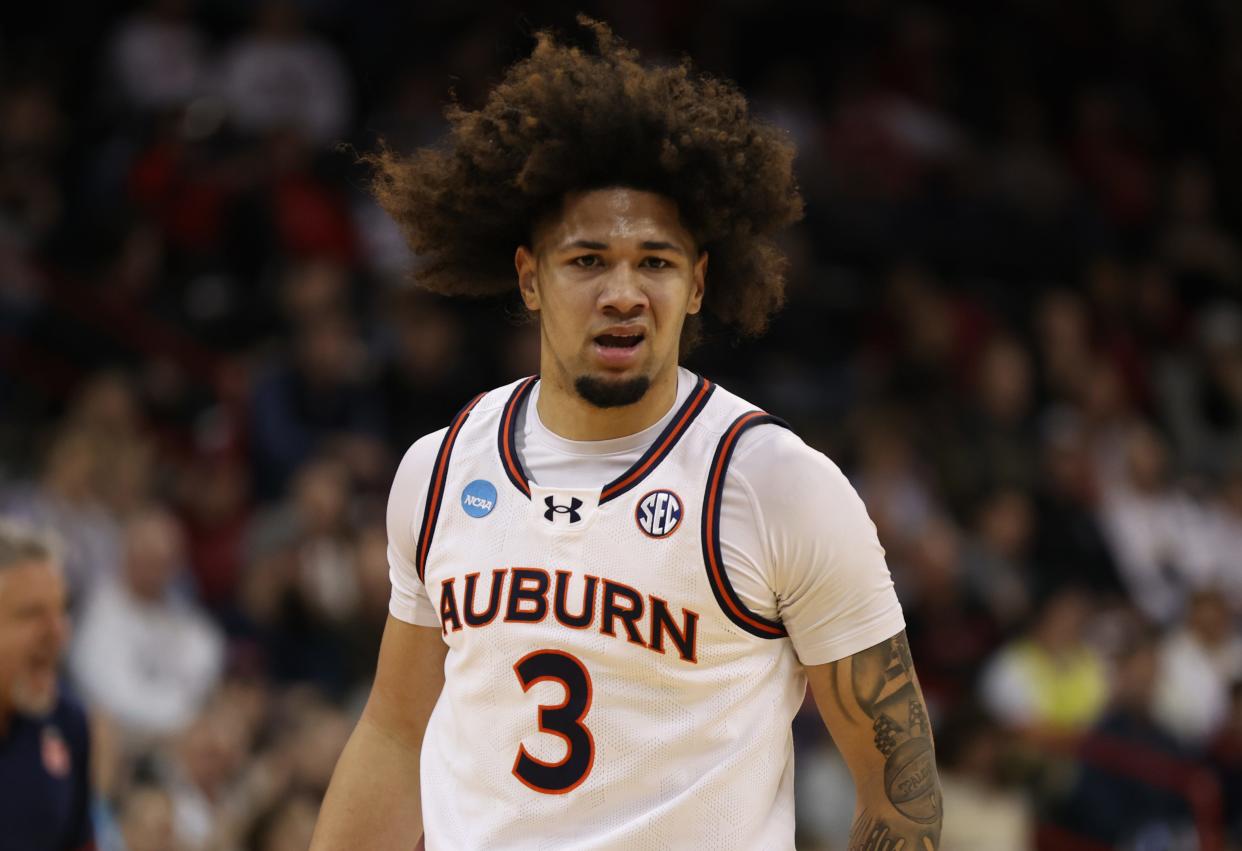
[(612, 582)]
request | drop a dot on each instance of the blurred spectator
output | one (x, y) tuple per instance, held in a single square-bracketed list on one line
[(106, 408), (301, 588), (984, 810), (1201, 392), (280, 76), (33, 132), (996, 559), (44, 738), (65, 499), (1194, 243), (1227, 523), (1111, 161), (145, 822), (158, 58), (422, 382), (950, 628), (201, 771), (999, 428), (1201, 657), (1048, 682), (144, 654), (1063, 344), (1071, 547), (365, 627), (216, 513), (1122, 795), (321, 397), (1156, 532), (1227, 757), (891, 484)]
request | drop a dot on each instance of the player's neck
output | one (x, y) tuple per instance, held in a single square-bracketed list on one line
[(568, 415)]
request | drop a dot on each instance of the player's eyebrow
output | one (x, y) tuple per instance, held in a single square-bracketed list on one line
[(588, 244), (662, 246)]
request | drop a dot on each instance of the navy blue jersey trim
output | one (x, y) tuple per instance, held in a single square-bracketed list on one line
[(506, 436), (713, 560), (435, 489), (662, 445)]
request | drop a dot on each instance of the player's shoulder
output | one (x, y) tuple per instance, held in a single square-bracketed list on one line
[(769, 449)]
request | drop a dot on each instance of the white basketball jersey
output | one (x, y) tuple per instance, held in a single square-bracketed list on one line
[(604, 686)]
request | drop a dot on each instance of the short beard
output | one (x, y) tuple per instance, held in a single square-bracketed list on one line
[(611, 394)]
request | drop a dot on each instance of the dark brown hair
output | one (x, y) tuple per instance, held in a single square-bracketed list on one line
[(564, 120)]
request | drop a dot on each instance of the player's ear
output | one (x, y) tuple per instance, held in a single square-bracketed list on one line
[(699, 274), (524, 262)]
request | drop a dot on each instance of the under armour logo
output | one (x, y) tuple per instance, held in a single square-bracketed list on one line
[(554, 509)]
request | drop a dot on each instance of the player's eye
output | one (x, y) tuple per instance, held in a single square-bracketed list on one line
[(656, 263), (586, 261)]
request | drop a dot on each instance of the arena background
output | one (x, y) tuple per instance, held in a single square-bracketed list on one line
[(1013, 320)]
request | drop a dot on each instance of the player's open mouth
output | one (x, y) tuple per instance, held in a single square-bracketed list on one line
[(619, 348), (619, 341)]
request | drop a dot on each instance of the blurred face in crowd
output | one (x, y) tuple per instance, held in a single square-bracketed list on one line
[(1209, 617), (33, 632), (147, 820), (322, 496), (213, 749), (613, 276), (328, 350), (1005, 522), (1005, 381), (152, 551), (1146, 459), (1134, 676), (1061, 624)]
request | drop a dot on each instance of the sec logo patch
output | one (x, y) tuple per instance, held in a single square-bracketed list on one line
[(658, 513)]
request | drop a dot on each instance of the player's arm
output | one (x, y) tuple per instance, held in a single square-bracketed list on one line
[(820, 557), (873, 707), (373, 799)]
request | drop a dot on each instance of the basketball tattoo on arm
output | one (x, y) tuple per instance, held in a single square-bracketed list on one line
[(884, 687)]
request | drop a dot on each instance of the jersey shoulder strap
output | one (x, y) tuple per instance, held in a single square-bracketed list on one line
[(439, 473)]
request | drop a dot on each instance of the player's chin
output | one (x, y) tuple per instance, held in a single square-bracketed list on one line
[(611, 390)]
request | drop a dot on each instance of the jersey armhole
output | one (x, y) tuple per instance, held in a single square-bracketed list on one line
[(732, 605), (435, 488)]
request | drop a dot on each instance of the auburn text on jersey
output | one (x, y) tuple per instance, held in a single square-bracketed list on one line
[(531, 595)]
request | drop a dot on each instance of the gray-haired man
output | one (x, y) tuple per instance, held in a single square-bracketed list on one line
[(44, 740)]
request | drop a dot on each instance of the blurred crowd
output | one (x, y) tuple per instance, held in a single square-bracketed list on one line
[(1014, 320)]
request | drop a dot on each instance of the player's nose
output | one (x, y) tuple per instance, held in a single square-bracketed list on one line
[(621, 291)]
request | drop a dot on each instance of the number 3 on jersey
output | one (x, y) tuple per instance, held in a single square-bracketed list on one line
[(563, 720)]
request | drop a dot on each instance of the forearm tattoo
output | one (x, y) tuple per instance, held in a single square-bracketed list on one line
[(883, 685), (875, 834)]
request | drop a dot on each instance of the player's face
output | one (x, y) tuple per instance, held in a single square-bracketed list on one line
[(613, 277), (33, 632)]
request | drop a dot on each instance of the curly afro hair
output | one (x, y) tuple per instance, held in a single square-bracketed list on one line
[(565, 120)]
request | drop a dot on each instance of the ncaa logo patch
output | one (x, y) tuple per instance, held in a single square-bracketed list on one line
[(658, 513), (479, 498)]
